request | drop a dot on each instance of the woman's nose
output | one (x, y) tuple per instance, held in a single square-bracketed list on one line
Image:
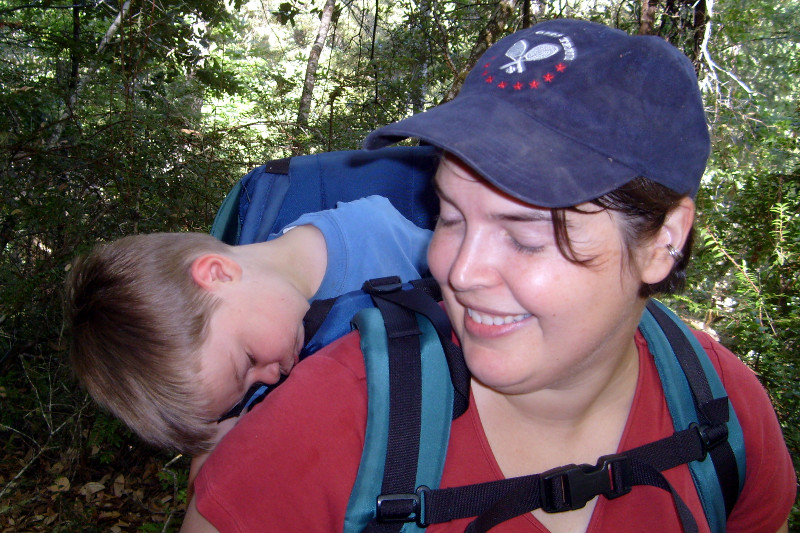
[(472, 266)]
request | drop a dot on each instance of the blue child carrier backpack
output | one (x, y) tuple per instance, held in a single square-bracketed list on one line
[(418, 382)]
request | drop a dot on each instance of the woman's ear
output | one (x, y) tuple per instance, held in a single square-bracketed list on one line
[(211, 270), (660, 255)]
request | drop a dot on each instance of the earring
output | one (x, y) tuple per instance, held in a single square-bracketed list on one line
[(674, 253)]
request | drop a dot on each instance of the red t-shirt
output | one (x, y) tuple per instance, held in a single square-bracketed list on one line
[(289, 465)]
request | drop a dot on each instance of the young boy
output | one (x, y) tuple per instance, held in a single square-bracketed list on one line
[(169, 330)]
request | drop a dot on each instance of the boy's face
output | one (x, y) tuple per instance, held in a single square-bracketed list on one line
[(255, 335)]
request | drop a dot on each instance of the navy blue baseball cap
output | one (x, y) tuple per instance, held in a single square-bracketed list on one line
[(566, 111)]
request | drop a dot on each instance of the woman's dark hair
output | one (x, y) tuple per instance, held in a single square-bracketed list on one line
[(644, 206)]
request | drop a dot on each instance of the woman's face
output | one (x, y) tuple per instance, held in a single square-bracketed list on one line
[(527, 318)]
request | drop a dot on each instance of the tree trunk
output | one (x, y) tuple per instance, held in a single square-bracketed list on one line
[(420, 87), (374, 67), (80, 81), (695, 26), (74, 53), (647, 23), (311, 74), (691, 20)]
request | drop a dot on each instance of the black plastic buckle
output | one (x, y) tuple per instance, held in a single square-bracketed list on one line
[(571, 487), (382, 285), (402, 507), (711, 435)]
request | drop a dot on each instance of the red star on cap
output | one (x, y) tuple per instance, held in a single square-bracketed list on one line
[(489, 79), (548, 77), (501, 85), (485, 72), (534, 84), (518, 86), (561, 67)]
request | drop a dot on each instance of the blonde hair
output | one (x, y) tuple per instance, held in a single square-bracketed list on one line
[(138, 321)]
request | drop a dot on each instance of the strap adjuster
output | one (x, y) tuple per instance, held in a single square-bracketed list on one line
[(409, 507), (382, 285), (711, 435), (571, 487)]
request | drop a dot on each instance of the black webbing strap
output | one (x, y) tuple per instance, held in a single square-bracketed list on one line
[(420, 302), (315, 316), (566, 488), (429, 287), (713, 413), (610, 479), (405, 399), (319, 309)]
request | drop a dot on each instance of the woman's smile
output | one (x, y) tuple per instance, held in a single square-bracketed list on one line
[(495, 320)]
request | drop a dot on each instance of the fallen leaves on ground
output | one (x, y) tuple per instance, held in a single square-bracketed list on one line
[(133, 493)]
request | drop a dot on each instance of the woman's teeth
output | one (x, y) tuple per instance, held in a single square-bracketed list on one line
[(482, 318)]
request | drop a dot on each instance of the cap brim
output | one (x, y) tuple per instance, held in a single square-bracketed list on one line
[(559, 171)]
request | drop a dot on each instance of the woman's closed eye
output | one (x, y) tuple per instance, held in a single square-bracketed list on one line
[(525, 240), (448, 216), (447, 222), (524, 248)]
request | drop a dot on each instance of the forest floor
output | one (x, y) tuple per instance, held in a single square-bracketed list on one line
[(136, 490)]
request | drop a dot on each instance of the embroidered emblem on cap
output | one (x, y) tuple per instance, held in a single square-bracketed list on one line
[(523, 55), (520, 54)]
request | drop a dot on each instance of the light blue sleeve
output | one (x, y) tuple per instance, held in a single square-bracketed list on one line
[(367, 238)]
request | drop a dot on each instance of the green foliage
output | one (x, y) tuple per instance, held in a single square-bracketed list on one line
[(287, 11), (745, 283), (107, 436), (95, 144)]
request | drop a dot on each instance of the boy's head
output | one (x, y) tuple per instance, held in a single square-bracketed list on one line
[(169, 331), (138, 323)]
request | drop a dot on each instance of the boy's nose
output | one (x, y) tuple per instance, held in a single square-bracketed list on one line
[(269, 374)]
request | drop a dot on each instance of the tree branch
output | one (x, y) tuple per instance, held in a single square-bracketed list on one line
[(713, 67), (81, 82)]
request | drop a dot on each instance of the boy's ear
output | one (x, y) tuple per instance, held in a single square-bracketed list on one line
[(657, 262), (211, 270)]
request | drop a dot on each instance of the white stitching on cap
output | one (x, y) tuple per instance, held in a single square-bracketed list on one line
[(519, 53)]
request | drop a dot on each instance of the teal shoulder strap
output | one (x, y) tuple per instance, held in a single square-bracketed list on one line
[(684, 413), (437, 402)]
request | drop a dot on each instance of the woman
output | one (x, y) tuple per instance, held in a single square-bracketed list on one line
[(570, 160)]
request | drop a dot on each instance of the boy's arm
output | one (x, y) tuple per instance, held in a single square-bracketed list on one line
[(365, 239)]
